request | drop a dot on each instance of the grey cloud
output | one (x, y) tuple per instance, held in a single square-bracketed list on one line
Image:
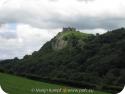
[(82, 22), (11, 53), (8, 35), (58, 21)]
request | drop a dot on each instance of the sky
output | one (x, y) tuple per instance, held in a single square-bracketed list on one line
[(25, 25)]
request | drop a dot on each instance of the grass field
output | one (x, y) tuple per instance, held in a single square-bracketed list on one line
[(18, 85)]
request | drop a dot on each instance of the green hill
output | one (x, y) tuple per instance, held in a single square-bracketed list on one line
[(77, 59), (19, 85)]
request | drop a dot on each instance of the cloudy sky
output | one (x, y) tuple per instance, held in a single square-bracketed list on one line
[(25, 25)]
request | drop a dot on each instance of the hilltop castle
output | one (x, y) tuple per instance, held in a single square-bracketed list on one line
[(65, 29)]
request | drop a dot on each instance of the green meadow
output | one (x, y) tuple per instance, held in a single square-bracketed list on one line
[(19, 85)]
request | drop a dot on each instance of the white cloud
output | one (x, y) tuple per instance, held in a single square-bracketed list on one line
[(94, 31), (28, 39)]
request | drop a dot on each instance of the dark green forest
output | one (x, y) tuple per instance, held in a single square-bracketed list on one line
[(77, 59)]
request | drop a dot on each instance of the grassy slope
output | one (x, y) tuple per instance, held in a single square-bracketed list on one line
[(76, 34), (19, 85)]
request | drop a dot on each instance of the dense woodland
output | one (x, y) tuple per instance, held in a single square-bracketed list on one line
[(77, 59)]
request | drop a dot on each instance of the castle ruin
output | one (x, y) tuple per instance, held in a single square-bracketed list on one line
[(65, 29)]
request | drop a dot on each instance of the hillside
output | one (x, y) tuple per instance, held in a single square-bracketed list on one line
[(77, 59)]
